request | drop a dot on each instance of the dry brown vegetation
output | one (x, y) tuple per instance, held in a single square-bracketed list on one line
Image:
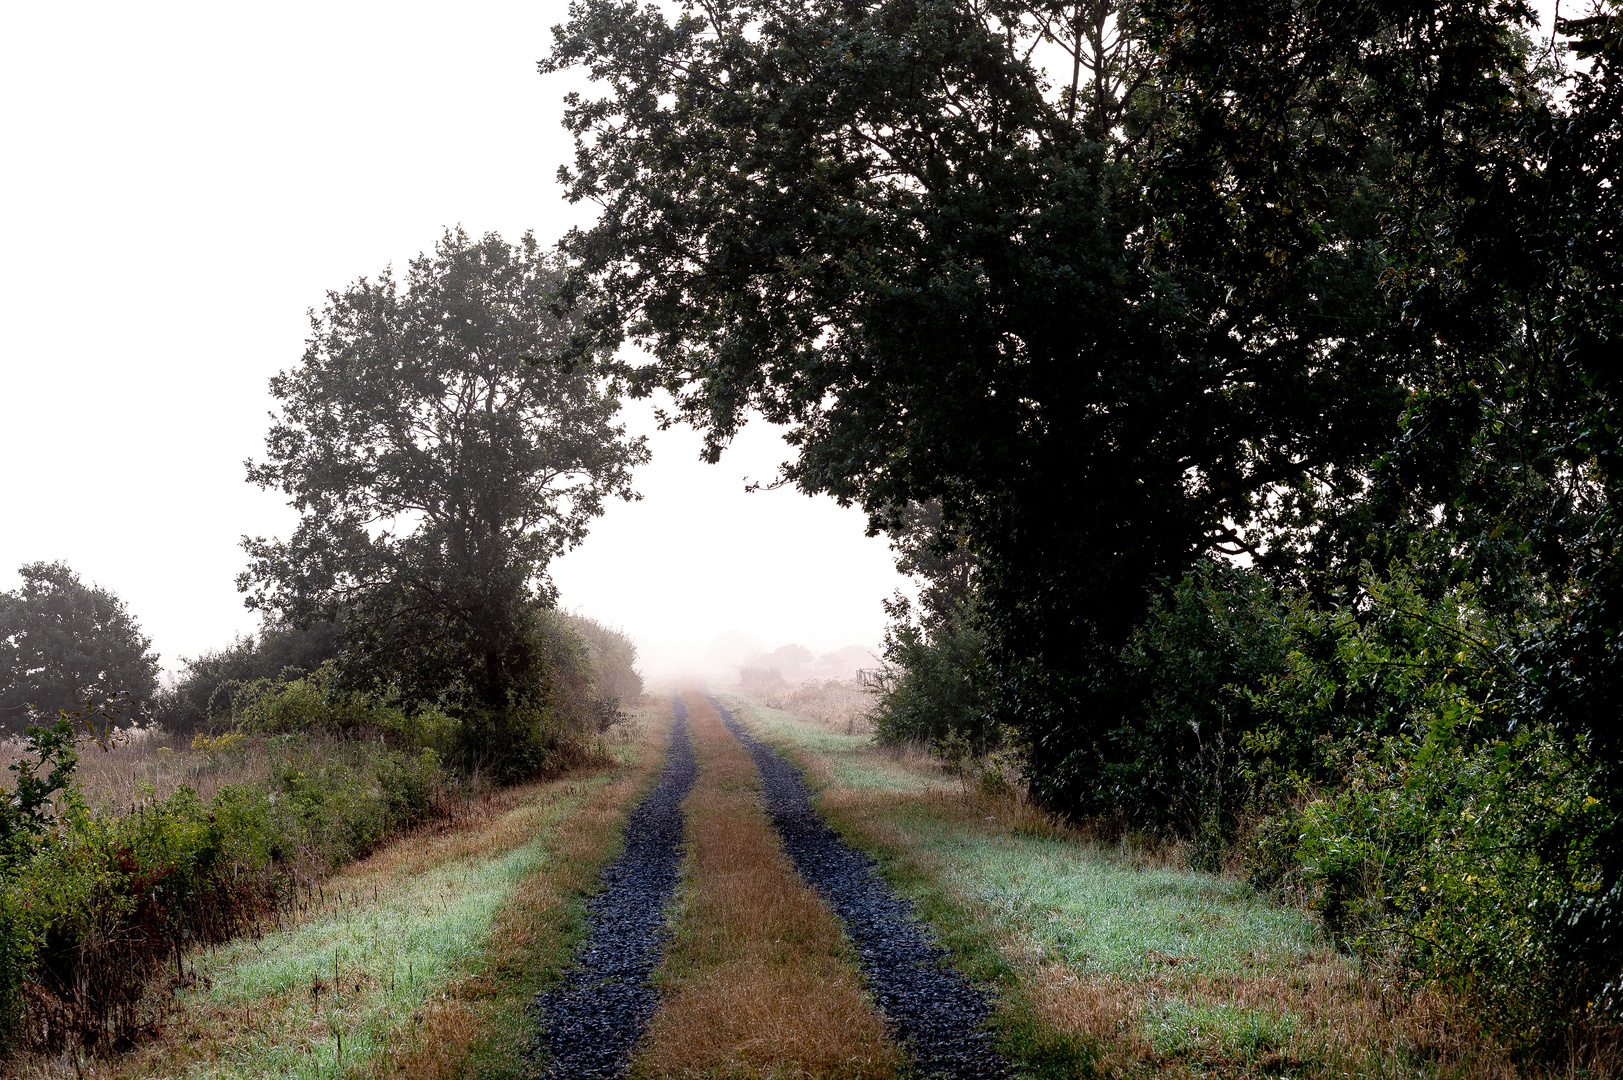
[(147, 765), (842, 704), (1314, 1021), (758, 980)]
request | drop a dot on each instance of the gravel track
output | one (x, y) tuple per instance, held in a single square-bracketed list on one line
[(593, 1018), (931, 1009)]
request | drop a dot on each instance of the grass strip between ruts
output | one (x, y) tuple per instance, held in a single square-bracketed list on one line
[(758, 980)]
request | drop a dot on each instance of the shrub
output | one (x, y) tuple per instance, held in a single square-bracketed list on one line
[(206, 694), (612, 656), (1192, 757), (1457, 860), (94, 904), (313, 703), (930, 687), (763, 682), (1440, 834)]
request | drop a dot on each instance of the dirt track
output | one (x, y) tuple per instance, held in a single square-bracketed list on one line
[(931, 1009), (591, 1022)]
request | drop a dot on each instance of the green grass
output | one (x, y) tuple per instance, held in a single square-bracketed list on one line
[(1178, 1026), (1073, 901), (390, 940), (1101, 917), (853, 759), (356, 973), (1007, 901)]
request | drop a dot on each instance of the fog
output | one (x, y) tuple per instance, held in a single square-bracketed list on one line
[(184, 180)]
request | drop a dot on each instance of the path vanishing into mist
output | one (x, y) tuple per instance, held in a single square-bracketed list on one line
[(591, 1023)]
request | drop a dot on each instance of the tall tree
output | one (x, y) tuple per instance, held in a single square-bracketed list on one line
[(440, 454), (1106, 334), (63, 642)]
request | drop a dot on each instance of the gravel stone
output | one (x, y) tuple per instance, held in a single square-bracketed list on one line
[(932, 1010), (593, 1018)]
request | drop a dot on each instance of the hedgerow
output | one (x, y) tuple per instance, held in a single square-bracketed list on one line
[(1373, 755), (94, 903)]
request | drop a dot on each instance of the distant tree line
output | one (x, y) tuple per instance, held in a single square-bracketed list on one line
[(63, 644), (1243, 388)]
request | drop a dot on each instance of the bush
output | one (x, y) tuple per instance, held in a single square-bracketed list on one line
[(206, 694), (549, 721), (93, 905), (1372, 754), (1194, 756), (1439, 833), (612, 656), (313, 703), (931, 688), (1459, 861)]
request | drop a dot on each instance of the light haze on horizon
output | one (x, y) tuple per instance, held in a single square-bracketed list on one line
[(184, 180)]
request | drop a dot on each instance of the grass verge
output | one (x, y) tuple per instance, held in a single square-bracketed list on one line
[(758, 980), (479, 1028), (1110, 961), (416, 961)]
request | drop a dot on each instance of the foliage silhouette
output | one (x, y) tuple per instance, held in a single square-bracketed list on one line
[(62, 642), (440, 451)]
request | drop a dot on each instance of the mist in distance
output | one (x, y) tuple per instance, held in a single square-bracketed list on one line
[(187, 181)]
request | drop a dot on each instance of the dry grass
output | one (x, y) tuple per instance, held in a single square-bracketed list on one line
[(1316, 1021), (758, 980), (148, 765), (839, 704)]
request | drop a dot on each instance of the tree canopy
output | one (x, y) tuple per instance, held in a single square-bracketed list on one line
[(64, 643), (440, 451), (1107, 332)]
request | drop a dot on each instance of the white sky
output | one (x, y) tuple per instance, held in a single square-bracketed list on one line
[(181, 181)]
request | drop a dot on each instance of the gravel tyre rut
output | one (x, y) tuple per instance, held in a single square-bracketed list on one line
[(933, 1011), (592, 1019)]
